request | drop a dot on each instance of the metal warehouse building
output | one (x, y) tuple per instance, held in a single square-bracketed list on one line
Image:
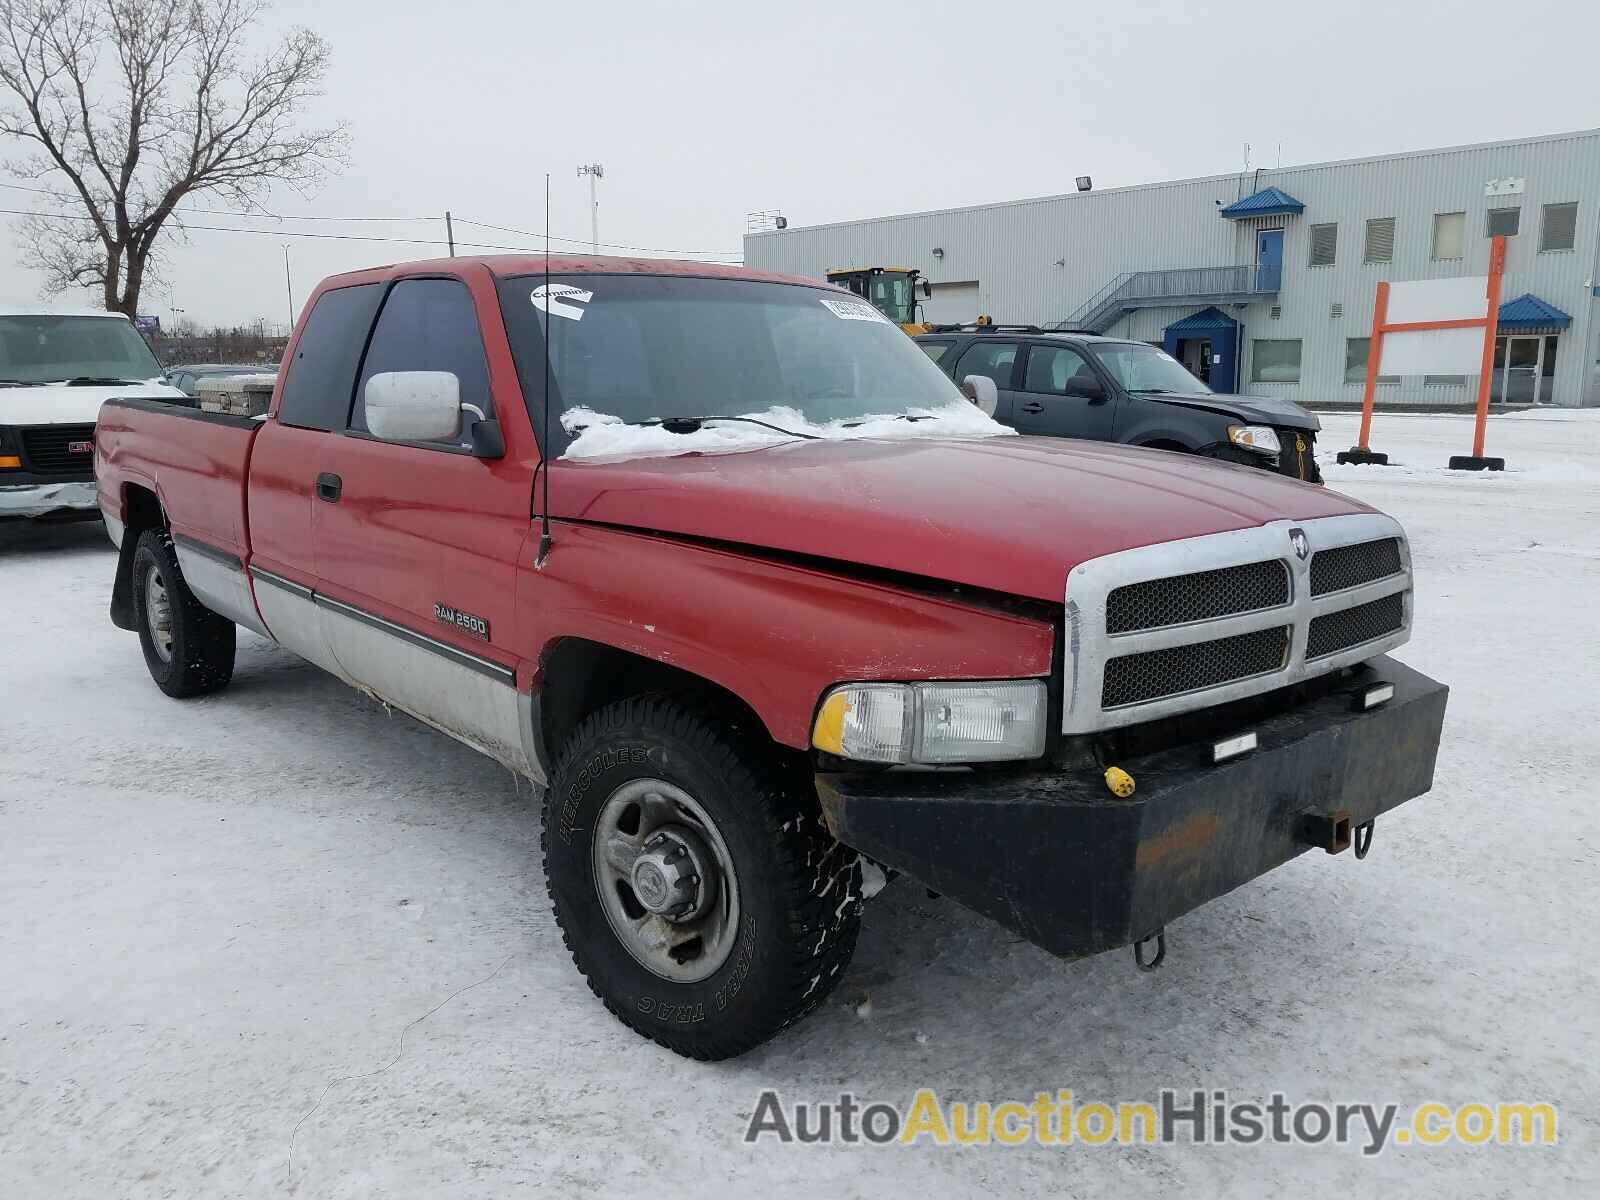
[(1264, 282)]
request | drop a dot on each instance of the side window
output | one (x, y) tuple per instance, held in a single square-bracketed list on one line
[(934, 350), (994, 359), (429, 325), (1056, 370), (320, 380)]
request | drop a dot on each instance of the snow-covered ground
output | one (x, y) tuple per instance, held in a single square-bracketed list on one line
[(221, 921)]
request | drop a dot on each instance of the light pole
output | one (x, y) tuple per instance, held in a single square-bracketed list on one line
[(288, 285), (593, 171)]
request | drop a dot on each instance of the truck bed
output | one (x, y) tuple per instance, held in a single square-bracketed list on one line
[(194, 462)]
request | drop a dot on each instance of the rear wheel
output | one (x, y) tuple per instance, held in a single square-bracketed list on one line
[(694, 881), (188, 648)]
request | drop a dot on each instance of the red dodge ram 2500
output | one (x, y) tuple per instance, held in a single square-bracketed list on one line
[(793, 603)]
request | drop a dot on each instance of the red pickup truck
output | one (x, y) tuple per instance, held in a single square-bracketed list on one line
[(722, 558)]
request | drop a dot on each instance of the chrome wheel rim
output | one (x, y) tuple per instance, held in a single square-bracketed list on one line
[(158, 613), (666, 880)]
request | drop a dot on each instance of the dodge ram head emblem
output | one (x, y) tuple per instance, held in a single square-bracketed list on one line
[(1301, 544)]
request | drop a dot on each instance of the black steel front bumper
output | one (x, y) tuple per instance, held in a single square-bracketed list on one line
[(1057, 857)]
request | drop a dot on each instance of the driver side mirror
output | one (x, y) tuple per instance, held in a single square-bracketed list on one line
[(927, 290), (980, 389), (1086, 389)]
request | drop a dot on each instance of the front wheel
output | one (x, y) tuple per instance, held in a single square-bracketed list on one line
[(188, 648), (694, 881)]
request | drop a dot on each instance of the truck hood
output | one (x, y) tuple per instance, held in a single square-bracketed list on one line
[(58, 404), (1007, 514), (1258, 410)]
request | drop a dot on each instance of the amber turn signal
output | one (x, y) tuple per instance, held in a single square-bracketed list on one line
[(10, 462)]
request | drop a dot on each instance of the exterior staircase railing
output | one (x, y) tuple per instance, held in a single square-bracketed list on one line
[(1147, 289)]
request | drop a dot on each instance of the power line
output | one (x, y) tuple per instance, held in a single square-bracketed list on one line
[(336, 237), (352, 237), (607, 245), (226, 212)]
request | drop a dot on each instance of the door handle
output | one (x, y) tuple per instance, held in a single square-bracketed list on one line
[(329, 487), (1033, 406)]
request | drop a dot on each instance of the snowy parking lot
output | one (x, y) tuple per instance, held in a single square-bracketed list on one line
[(282, 942)]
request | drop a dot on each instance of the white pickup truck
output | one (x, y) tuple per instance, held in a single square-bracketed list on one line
[(55, 370)]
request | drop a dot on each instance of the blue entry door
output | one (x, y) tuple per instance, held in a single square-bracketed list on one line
[(1269, 260)]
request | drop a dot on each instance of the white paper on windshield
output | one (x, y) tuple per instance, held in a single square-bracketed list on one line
[(854, 310)]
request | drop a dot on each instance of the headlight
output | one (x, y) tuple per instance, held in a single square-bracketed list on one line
[(1263, 439), (933, 722)]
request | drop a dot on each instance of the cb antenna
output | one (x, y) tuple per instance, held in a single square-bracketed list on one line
[(545, 434)]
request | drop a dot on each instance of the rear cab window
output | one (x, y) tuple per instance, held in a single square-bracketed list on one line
[(935, 350), (320, 381)]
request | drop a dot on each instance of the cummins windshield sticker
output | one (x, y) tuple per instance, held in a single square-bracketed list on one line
[(853, 310), (561, 300)]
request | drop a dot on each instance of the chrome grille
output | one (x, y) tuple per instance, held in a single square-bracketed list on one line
[(1198, 596), (1350, 566), (1356, 626), (1174, 670), (1171, 627)]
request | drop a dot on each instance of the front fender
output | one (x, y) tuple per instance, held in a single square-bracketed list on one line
[(775, 634)]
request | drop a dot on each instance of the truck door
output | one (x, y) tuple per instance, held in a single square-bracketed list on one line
[(417, 542), (313, 409), (1062, 396)]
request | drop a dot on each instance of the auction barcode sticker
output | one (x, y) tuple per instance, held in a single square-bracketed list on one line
[(853, 310)]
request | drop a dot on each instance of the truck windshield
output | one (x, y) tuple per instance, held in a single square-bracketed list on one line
[(58, 349), (644, 347), (1140, 368)]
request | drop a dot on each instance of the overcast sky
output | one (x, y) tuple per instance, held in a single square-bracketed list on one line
[(704, 112)]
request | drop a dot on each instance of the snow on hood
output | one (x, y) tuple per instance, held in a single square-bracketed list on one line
[(59, 404), (603, 435)]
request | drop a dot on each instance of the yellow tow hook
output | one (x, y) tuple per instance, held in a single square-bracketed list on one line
[(1120, 782)]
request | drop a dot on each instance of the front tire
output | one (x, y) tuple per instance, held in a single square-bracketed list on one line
[(695, 884), (188, 648)]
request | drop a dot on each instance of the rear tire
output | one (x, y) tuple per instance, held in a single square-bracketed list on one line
[(188, 648), (774, 928)]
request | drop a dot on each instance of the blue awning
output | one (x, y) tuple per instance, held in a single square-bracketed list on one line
[(1528, 313), (1207, 320), (1268, 202)]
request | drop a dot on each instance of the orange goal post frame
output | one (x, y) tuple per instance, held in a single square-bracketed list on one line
[(1489, 322)]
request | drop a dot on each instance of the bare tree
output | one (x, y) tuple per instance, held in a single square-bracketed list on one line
[(132, 105)]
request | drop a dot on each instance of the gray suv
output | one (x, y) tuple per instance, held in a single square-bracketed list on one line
[(1111, 390)]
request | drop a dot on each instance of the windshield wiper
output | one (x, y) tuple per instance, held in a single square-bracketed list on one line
[(891, 416), (1157, 391), (20, 383), (98, 381), (691, 424)]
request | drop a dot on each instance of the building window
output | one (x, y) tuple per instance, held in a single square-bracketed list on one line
[(1355, 362), (1324, 245), (1449, 235), (1560, 228), (1502, 222), (1444, 381), (1380, 240), (1275, 360)]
